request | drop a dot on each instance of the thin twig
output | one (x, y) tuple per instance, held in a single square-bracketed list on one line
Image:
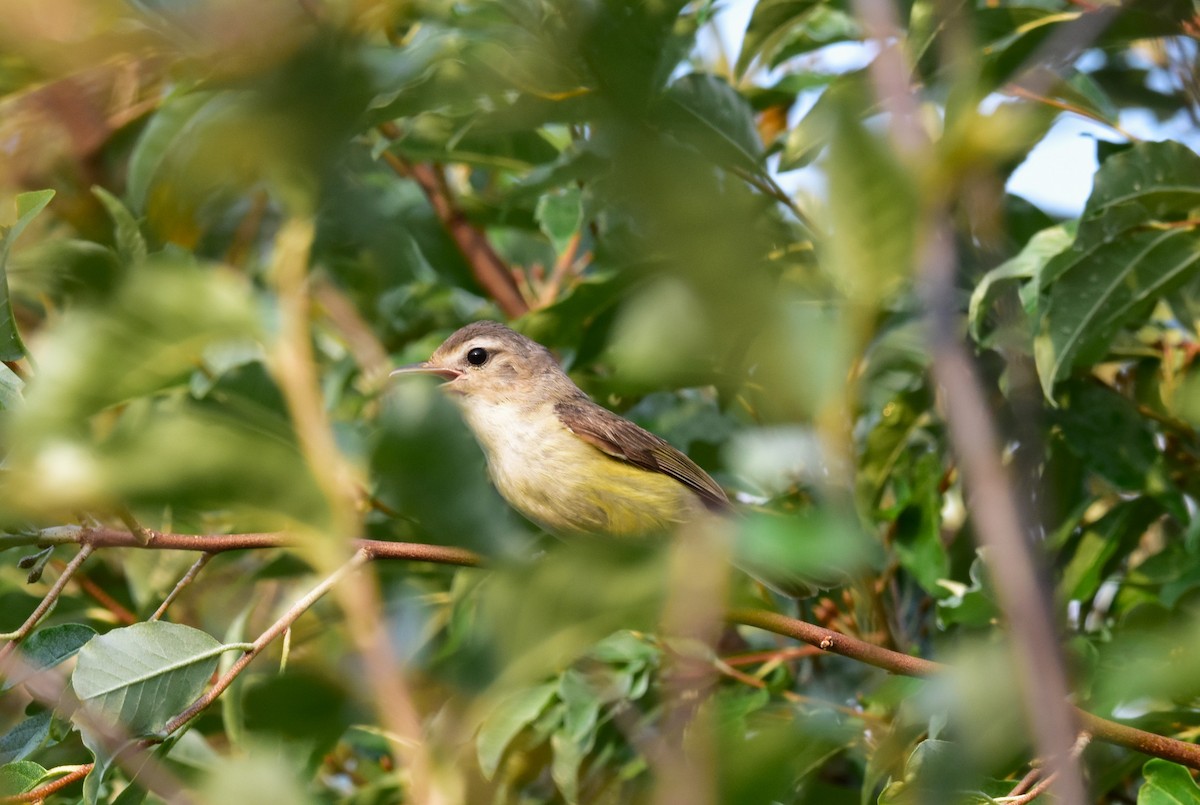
[(187, 579), (45, 605), (1024, 784), (273, 631), (42, 791)]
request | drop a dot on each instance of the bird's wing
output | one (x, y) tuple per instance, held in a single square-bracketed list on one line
[(620, 438)]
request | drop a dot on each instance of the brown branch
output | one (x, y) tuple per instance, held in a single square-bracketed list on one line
[(101, 597), (42, 791), (107, 537), (187, 579), (827, 640), (487, 266), (1100, 729)]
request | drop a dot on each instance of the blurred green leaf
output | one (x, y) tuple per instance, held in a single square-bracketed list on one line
[(159, 323), (718, 119), (874, 211), (131, 246), (28, 206), (560, 215), (140, 676), (779, 29), (507, 719)]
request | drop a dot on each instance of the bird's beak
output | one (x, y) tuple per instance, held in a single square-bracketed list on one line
[(426, 368)]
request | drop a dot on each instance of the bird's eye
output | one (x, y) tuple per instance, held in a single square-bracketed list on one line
[(477, 356)]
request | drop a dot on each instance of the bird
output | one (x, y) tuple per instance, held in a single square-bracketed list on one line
[(563, 461)]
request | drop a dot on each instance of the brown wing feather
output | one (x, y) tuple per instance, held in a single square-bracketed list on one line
[(620, 438)]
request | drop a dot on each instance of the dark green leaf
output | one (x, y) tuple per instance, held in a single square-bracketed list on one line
[(1106, 430), (25, 738), (48, 647)]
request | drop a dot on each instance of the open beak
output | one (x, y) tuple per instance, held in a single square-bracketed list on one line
[(425, 368)]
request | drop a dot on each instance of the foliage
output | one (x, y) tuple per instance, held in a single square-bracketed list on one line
[(226, 221)]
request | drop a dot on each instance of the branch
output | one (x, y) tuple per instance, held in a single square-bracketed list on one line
[(42, 791), (827, 640), (106, 537), (487, 266), (47, 603), (1100, 729), (275, 630)]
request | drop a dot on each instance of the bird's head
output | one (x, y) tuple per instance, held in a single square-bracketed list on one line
[(487, 362)]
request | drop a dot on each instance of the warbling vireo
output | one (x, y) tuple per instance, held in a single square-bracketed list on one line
[(560, 459)]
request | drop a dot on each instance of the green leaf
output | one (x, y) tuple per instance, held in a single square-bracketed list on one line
[(900, 422), (1167, 784), (169, 122), (507, 720), (874, 209), (19, 777), (779, 29), (11, 386), (25, 738), (142, 675), (719, 120), (918, 542), (131, 246), (1028, 264), (12, 348), (560, 215), (1102, 545), (564, 767), (47, 648), (1113, 438), (1131, 249)]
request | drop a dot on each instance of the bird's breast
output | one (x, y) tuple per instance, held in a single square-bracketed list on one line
[(565, 484)]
